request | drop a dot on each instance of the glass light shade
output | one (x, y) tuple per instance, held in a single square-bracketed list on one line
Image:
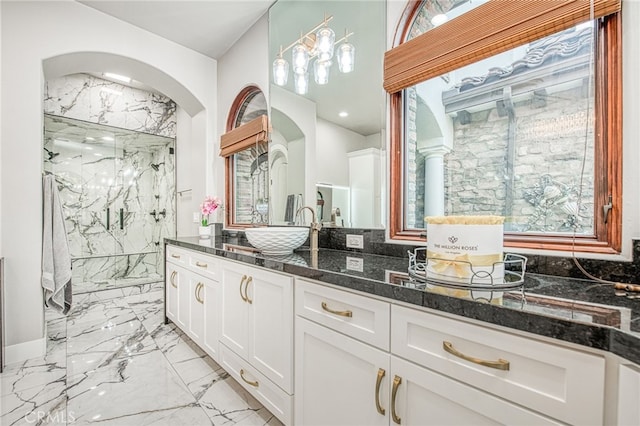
[(301, 83), (325, 39), (321, 71), (280, 71), (300, 58), (346, 57)]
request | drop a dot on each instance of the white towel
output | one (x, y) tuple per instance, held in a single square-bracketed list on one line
[(56, 259)]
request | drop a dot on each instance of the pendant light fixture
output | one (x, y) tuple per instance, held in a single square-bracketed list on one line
[(317, 45)]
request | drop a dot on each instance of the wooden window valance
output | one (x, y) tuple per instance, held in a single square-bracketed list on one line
[(243, 137), (489, 29)]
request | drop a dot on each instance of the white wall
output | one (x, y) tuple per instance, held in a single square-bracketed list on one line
[(332, 145), (32, 34), (246, 63)]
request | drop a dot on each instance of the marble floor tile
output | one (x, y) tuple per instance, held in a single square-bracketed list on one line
[(142, 384), (227, 403), (30, 406), (148, 307), (100, 348), (113, 361)]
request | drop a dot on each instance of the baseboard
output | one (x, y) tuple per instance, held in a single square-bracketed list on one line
[(24, 351)]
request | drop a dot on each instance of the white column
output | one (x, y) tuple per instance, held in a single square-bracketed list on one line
[(434, 180)]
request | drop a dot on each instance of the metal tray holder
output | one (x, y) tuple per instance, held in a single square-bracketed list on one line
[(514, 266)]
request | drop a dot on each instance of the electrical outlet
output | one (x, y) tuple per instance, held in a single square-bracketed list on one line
[(355, 264), (196, 217), (354, 241)]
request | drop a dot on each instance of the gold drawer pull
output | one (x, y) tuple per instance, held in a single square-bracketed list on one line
[(202, 265), (249, 382), (246, 290), (199, 287), (500, 364), (244, 277), (397, 381), (341, 313), (172, 279), (175, 256), (381, 374)]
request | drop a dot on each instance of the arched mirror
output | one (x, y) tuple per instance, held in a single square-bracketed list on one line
[(245, 149)]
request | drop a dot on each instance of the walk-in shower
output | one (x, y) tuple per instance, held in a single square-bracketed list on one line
[(119, 203)]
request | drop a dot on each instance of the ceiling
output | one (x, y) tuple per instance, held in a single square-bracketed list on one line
[(210, 27)]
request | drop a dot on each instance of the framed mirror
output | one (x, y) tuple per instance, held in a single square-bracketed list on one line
[(328, 119)]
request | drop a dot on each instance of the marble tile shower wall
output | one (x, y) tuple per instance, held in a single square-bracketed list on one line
[(135, 175), (88, 98)]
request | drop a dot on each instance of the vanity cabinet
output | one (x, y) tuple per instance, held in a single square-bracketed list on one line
[(192, 297), (629, 395), (257, 332), (436, 370)]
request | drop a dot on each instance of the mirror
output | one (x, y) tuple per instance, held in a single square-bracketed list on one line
[(329, 142)]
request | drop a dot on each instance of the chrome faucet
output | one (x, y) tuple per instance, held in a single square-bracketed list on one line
[(314, 228)]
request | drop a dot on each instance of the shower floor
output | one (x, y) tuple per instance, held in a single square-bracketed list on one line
[(91, 286)]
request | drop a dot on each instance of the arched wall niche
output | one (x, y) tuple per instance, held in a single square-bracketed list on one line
[(88, 62)]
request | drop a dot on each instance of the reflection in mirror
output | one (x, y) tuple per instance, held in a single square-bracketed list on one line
[(286, 158), (247, 168), (332, 135), (333, 205)]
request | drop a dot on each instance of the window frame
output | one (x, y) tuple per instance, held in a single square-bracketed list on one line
[(237, 107), (607, 236)]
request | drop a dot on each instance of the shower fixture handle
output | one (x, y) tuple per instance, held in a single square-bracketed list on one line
[(121, 218), (108, 219), (163, 212)]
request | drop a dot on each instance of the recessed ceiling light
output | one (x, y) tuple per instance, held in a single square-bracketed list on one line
[(107, 138), (118, 77), (89, 138), (439, 19), (343, 114)]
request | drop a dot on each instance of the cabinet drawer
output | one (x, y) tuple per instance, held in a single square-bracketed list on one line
[(563, 383), (277, 401), (178, 256), (203, 264), (357, 316)]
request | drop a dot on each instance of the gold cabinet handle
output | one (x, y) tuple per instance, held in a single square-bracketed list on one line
[(175, 256), (202, 265), (246, 290), (500, 364), (244, 277), (173, 278), (397, 381), (341, 313), (381, 374), (197, 292), (249, 382)]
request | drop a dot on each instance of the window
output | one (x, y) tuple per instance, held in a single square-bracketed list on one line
[(513, 109), (244, 147)]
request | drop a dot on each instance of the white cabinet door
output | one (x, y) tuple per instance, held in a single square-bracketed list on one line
[(196, 307), (336, 379), (171, 291), (211, 296), (270, 297), (629, 395), (420, 396), (234, 327), (182, 280)]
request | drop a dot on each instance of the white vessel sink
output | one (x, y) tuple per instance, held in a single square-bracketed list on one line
[(277, 240)]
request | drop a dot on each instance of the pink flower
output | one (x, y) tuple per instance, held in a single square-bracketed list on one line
[(209, 206)]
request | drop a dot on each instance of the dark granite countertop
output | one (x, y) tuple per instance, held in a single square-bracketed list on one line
[(579, 311)]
